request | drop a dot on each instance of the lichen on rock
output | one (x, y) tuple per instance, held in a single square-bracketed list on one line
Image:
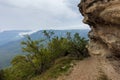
[(103, 17)]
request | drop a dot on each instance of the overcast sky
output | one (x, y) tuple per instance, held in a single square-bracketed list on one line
[(40, 14)]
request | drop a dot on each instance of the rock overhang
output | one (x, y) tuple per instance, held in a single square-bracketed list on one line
[(103, 16)]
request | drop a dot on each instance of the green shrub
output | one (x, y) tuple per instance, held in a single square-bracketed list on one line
[(78, 46), (21, 69), (2, 76), (40, 57)]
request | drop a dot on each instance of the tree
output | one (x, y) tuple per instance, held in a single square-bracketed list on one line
[(58, 47), (69, 36), (78, 46), (36, 55), (48, 34)]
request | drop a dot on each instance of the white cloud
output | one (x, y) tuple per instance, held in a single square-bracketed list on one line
[(22, 34), (40, 14), (53, 7)]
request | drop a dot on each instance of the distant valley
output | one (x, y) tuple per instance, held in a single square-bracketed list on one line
[(12, 35)]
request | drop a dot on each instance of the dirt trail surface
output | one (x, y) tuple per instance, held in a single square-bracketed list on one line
[(91, 69)]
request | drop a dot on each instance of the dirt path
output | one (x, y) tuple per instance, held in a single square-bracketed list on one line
[(89, 69), (109, 69)]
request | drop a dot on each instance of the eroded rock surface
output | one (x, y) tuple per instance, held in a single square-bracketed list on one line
[(103, 16)]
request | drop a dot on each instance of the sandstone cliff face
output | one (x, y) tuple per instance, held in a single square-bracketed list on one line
[(103, 16)]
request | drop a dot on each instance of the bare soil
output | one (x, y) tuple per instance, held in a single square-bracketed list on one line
[(90, 69)]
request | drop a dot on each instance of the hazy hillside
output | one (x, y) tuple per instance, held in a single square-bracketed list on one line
[(9, 50), (12, 35)]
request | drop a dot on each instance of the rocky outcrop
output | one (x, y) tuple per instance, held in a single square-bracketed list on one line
[(103, 16)]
